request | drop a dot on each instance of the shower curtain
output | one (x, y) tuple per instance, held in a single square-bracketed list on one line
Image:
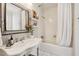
[(64, 24)]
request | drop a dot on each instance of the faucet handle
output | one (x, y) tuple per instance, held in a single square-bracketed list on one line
[(16, 39)]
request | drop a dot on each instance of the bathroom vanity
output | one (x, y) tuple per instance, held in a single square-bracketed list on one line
[(18, 24), (23, 47)]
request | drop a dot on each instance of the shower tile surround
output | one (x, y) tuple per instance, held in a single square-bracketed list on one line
[(16, 37)]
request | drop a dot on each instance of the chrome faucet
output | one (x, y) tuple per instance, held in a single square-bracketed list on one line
[(22, 38)]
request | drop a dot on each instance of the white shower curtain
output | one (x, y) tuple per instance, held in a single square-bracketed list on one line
[(64, 24)]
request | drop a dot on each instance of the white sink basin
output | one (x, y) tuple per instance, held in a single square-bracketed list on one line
[(21, 46)]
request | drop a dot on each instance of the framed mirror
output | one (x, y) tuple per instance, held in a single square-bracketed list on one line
[(15, 18)]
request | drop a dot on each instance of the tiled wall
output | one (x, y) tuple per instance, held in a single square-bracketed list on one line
[(16, 37)]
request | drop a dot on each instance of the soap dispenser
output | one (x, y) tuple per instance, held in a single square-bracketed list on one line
[(10, 42)]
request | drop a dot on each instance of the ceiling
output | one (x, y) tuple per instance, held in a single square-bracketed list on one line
[(45, 4)]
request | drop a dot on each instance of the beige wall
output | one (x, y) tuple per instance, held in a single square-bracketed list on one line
[(50, 22), (76, 30), (47, 26)]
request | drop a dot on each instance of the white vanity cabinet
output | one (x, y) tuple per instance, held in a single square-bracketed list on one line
[(23, 47)]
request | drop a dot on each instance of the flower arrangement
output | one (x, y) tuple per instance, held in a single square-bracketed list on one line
[(29, 28)]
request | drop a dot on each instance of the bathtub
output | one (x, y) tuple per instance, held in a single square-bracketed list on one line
[(47, 49)]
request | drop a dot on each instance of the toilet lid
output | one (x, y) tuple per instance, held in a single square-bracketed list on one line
[(1, 43)]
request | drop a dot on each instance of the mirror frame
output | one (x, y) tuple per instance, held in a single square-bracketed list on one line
[(16, 31)]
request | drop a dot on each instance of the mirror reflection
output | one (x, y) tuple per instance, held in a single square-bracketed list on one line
[(16, 17)]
